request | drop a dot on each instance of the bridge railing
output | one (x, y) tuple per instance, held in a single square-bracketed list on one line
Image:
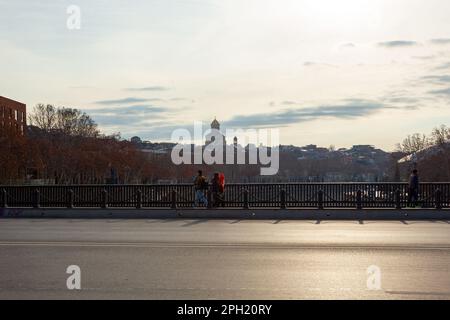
[(289, 195)]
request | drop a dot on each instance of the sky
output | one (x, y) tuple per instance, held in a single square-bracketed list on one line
[(324, 72)]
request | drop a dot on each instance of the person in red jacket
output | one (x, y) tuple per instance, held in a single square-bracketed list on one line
[(218, 189)]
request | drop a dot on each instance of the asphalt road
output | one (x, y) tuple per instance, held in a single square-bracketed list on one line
[(224, 259)]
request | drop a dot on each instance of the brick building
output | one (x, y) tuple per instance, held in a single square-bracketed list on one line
[(13, 114)]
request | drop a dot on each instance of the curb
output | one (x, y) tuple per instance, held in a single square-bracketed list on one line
[(255, 214)]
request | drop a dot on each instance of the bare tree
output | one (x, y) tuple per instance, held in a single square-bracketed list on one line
[(44, 117), (440, 135), (414, 143), (71, 122)]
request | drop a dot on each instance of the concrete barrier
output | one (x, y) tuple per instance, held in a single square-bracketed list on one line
[(268, 214)]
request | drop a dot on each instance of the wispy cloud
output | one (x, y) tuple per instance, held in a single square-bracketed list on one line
[(398, 44), (127, 116), (442, 79), (159, 132), (122, 101), (317, 64), (424, 58), (441, 41), (151, 88), (181, 100), (134, 109), (289, 103), (348, 45), (444, 66), (349, 109), (442, 92)]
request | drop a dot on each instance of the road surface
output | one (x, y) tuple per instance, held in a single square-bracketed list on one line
[(225, 259)]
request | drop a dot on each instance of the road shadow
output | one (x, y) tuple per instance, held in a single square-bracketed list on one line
[(277, 222), (195, 222), (235, 222), (156, 221), (404, 222), (169, 220)]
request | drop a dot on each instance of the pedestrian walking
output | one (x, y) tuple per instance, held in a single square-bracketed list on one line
[(201, 186)]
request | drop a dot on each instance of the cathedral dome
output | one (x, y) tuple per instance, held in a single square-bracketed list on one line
[(215, 124)]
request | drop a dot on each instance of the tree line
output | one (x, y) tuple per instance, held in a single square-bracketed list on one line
[(431, 154), (64, 145)]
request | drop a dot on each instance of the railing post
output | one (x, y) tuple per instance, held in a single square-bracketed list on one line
[(174, 199), (209, 198), (320, 200), (438, 199), (398, 203), (70, 199), (283, 199), (104, 199), (359, 200), (246, 203), (139, 199), (4, 198), (37, 199)]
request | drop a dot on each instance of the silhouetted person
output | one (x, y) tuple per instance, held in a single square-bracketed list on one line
[(413, 192), (200, 185), (217, 190)]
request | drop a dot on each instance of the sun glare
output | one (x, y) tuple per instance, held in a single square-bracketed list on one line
[(339, 12)]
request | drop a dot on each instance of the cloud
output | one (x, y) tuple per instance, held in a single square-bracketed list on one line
[(430, 57), (441, 41), (318, 64), (442, 92), (122, 101), (444, 66), (152, 88), (398, 44), (289, 103), (177, 99), (114, 120), (438, 79), (348, 45), (405, 100), (134, 109), (127, 116), (161, 133), (349, 109)]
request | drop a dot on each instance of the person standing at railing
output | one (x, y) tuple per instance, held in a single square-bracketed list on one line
[(218, 189), (413, 192), (200, 185)]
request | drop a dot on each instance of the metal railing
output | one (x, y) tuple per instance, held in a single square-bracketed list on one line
[(304, 195)]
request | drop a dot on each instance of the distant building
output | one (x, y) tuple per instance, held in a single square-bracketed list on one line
[(136, 140), (13, 115), (210, 138)]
